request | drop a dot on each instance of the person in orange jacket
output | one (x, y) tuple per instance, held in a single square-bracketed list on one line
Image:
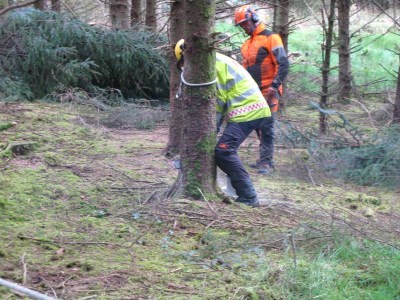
[(264, 57)]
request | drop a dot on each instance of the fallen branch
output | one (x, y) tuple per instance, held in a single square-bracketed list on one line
[(67, 243), (15, 6), (50, 286), (208, 203), (292, 243), (24, 268)]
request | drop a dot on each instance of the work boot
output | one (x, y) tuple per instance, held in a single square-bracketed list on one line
[(265, 169), (253, 202), (254, 165)]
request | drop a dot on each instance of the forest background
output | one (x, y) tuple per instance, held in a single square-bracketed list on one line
[(85, 198)]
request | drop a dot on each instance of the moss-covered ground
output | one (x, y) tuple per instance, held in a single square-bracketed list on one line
[(82, 217)]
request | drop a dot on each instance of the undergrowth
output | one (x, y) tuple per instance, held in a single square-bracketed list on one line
[(352, 151), (82, 215), (376, 163), (46, 51)]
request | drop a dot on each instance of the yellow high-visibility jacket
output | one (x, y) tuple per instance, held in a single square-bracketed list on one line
[(238, 96)]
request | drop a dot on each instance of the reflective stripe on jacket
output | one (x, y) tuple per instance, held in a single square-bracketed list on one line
[(264, 57), (238, 96)]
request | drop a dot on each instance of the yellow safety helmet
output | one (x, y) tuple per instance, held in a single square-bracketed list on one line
[(179, 47)]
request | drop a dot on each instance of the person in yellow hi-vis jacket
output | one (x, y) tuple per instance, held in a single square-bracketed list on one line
[(241, 103)]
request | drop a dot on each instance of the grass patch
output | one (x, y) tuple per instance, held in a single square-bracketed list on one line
[(78, 211)]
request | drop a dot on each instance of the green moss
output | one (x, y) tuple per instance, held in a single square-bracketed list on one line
[(2, 253), (193, 187), (5, 126), (140, 255), (209, 11), (207, 144), (3, 204), (6, 154), (362, 198)]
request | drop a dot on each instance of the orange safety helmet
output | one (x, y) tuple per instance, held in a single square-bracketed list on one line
[(245, 13)]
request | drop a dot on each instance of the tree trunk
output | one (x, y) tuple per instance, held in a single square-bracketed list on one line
[(326, 64), (281, 26), (119, 14), (176, 105), (41, 5), (281, 21), (136, 10), (344, 51), (151, 20), (3, 4), (56, 5), (199, 130), (396, 113)]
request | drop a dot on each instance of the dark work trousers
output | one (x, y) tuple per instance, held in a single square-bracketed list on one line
[(228, 160), (266, 135)]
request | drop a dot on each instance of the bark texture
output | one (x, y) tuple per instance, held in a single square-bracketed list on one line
[(151, 20), (326, 65), (281, 21), (41, 5), (177, 32), (396, 113), (345, 78), (281, 26), (136, 10), (56, 5), (119, 13), (199, 138)]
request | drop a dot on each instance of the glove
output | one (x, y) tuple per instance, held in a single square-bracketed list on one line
[(271, 95)]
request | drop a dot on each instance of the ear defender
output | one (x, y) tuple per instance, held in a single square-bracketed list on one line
[(254, 17)]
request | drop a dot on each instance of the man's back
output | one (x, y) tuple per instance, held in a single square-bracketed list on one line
[(238, 94), (265, 59)]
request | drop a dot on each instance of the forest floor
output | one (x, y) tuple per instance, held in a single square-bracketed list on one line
[(82, 216)]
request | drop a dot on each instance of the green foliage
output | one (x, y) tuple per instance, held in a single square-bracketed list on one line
[(342, 132), (341, 268), (347, 152), (372, 56), (15, 89), (49, 51), (350, 269), (375, 164), (5, 126)]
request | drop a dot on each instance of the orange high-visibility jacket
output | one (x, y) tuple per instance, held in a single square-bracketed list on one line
[(264, 57)]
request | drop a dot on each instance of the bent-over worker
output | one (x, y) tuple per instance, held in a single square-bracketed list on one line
[(241, 103)]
